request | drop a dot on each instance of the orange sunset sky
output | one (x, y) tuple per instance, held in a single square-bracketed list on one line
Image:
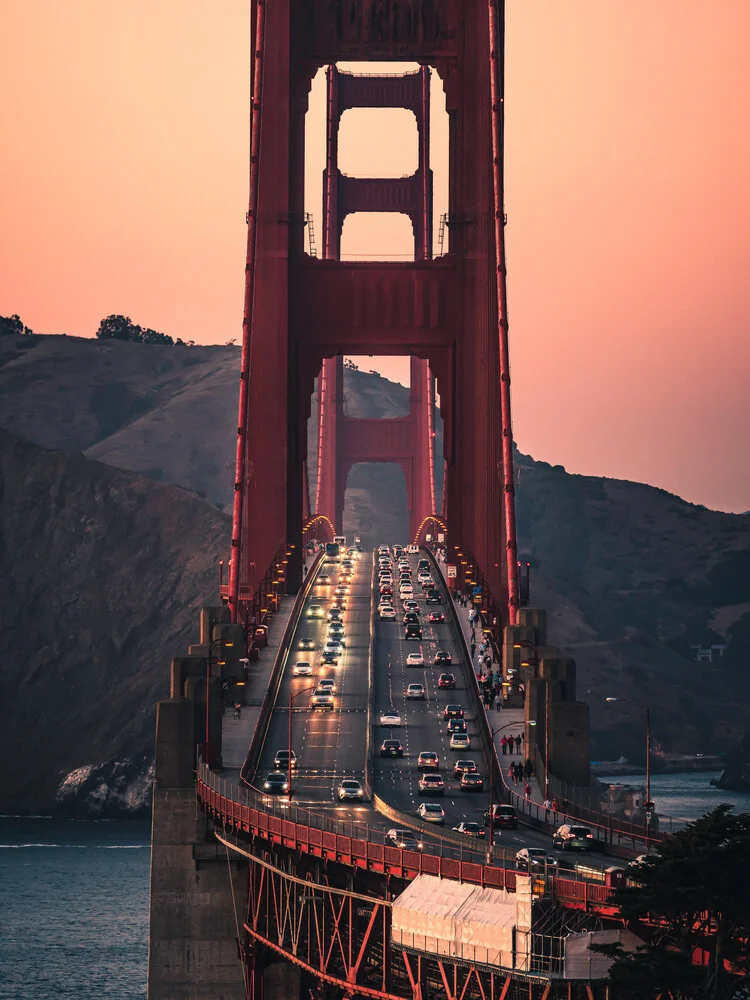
[(124, 138)]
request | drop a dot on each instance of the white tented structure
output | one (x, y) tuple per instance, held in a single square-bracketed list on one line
[(463, 922), (583, 963)]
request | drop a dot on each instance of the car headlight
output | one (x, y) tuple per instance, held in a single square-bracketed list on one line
[(359, 791), (266, 785)]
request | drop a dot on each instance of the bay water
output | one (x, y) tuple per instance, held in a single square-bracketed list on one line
[(74, 896)]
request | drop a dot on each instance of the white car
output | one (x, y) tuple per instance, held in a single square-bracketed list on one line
[(415, 691), (390, 718), (302, 669), (387, 613), (415, 660), (431, 812), (315, 611), (412, 549), (460, 741), (321, 699), (327, 684), (406, 591), (350, 788)]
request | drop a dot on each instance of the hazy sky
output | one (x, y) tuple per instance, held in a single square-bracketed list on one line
[(124, 132)]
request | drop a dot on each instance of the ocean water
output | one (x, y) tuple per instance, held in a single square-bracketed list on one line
[(74, 897), (683, 797), (73, 910)]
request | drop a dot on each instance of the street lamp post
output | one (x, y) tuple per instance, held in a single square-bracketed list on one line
[(493, 734), (292, 699), (648, 805), (525, 643)]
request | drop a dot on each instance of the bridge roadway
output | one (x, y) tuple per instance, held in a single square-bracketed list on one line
[(331, 745)]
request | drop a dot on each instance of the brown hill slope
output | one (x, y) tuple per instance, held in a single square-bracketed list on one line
[(103, 571), (632, 576)]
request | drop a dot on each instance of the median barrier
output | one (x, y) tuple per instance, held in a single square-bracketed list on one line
[(369, 738)]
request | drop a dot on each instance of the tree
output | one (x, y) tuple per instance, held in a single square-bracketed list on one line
[(154, 337), (119, 328), (123, 328), (13, 326), (692, 896)]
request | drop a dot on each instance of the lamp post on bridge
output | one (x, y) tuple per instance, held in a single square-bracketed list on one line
[(648, 805), (526, 644), (493, 734)]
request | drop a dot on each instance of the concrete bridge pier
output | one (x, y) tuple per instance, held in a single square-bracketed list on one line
[(198, 898)]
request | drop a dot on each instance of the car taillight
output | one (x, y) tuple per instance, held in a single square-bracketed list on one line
[(590, 836)]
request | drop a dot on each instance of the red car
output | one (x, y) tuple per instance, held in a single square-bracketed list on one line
[(437, 617), (447, 681)]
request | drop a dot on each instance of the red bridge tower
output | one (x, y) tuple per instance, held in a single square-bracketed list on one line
[(449, 312)]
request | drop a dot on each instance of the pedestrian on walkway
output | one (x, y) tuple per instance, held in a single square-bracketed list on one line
[(565, 806), (512, 772), (528, 769), (555, 808), (547, 807), (473, 647), (527, 791), (518, 744), (504, 745), (519, 769), (237, 710)]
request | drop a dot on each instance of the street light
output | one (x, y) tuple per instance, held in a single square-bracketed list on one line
[(292, 699), (648, 805), (547, 706), (493, 734)]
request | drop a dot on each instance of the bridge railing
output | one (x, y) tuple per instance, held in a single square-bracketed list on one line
[(246, 810)]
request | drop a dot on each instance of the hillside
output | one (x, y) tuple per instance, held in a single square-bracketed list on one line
[(103, 573), (632, 576)]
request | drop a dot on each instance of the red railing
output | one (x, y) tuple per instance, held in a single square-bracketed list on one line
[(244, 811)]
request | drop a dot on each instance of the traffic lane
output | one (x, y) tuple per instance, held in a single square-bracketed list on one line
[(328, 744), (423, 725)]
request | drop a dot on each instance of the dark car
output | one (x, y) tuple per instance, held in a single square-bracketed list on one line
[(413, 632), (453, 712), (447, 681), (391, 748), (442, 658), (404, 839), (411, 618), (433, 597), (276, 783), (502, 816), (534, 859), (437, 617), (573, 837), (457, 726), (472, 781)]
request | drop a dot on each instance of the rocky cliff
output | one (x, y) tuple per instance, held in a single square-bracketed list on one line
[(632, 577), (103, 571)]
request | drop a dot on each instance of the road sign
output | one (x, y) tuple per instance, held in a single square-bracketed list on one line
[(450, 571), (441, 537), (477, 592)]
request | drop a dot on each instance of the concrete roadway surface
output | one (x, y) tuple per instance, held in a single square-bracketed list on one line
[(423, 727), (330, 745)]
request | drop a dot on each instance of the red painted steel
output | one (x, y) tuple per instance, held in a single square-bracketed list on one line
[(344, 441), (496, 52), (361, 853), (247, 321)]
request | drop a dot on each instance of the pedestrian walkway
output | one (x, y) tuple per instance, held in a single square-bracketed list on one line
[(503, 722), (237, 733)]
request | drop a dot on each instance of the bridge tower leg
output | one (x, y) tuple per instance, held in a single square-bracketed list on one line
[(343, 195)]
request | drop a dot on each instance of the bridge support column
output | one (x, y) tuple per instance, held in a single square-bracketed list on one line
[(193, 951)]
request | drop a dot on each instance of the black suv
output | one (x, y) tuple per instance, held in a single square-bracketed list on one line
[(391, 748)]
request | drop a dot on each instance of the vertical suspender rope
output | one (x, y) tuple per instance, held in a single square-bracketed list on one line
[(426, 254), (247, 320), (497, 46)]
